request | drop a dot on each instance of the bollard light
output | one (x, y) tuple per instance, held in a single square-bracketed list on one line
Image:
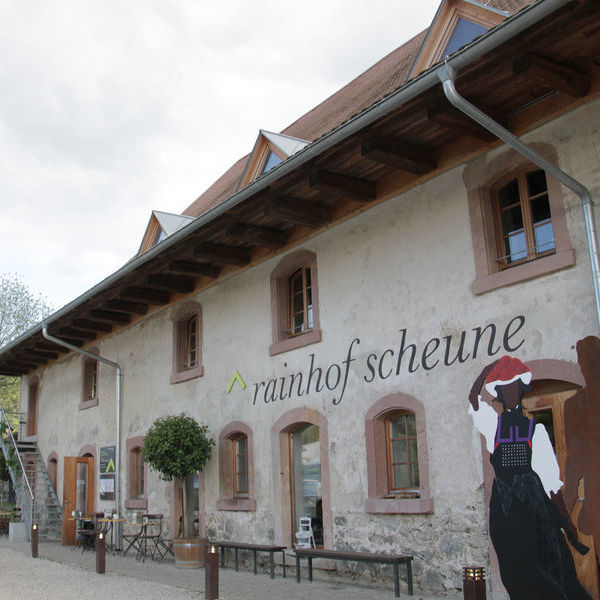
[(100, 554), (34, 540), (211, 572), (474, 583)]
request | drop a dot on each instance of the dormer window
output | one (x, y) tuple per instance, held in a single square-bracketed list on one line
[(457, 23), (160, 227), (270, 149)]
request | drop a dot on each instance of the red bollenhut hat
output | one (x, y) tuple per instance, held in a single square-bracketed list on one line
[(507, 370)]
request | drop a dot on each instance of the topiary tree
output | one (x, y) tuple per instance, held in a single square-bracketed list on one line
[(177, 446)]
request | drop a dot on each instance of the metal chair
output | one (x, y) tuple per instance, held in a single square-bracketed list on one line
[(88, 531)]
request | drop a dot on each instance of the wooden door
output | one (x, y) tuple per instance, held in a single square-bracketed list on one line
[(78, 493), (32, 410), (549, 409)]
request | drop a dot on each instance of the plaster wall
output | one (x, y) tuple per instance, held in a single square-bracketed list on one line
[(406, 264)]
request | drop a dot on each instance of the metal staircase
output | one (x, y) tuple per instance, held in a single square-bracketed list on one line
[(34, 491)]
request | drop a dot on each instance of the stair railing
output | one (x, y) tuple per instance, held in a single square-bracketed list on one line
[(25, 495)]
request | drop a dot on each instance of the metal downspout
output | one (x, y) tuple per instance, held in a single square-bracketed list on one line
[(119, 375), (447, 77)]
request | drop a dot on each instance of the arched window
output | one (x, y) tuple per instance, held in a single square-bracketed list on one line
[(397, 456), (295, 302), (236, 468), (402, 455), (522, 217), (137, 477), (187, 343), (518, 223)]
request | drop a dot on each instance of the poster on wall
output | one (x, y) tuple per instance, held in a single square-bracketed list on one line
[(107, 473)]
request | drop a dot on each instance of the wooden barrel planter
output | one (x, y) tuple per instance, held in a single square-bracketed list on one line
[(189, 552)]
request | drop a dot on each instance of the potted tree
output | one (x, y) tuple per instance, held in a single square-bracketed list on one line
[(177, 447)]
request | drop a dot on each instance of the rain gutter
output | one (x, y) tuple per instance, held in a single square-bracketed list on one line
[(447, 76), (420, 84), (119, 376)]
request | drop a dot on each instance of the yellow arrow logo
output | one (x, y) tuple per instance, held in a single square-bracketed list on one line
[(236, 377), (109, 465)]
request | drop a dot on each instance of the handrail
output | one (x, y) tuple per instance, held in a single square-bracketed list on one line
[(16, 450)]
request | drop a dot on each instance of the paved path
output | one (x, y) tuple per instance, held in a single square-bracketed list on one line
[(64, 573)]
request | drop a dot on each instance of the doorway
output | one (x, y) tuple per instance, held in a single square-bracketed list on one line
[(547, 407), (305, 478), (32, 409), (78, 494)]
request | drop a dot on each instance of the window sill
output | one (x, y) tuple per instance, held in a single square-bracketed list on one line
[(188, 374), (394, 506), (524, 272), (298, 341), (246, 504), (137, 503), (88, 404)]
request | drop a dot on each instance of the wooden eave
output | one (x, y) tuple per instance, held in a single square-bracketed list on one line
[(545, 71)]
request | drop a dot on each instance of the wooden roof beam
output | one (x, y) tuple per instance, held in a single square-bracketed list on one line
[(77, 333), (555, 75), (189, 267), (89, 325), (143, 294), (172, 283), (223, 255), (111, 316), (358, 189), (400, 155), (127, 306), (451, 118), (43, 354), (259, 236), (299, 212)]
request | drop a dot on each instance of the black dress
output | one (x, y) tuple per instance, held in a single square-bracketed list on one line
[(525, 526)]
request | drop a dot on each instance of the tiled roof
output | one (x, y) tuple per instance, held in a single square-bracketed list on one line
[(371, 86)]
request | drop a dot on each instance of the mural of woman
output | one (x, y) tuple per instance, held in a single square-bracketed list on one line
[(527, 514)]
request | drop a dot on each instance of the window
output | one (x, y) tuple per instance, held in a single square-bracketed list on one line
[(89, 394), (518, 223), (402, 455), (240, 466), (137, 478), (295, 302), (523, 221), (187, 343), (272, 160), (300, 298), (236, 470), (397, 465)]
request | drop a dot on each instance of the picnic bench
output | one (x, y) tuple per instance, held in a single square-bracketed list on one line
[(255, 548), (393, 559)]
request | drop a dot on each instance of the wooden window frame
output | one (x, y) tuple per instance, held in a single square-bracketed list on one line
[(528, 226), (393, 490), (237, 455), (304, 273), (90, 381), (379, 499), (480, 177), (283, 340), (182, 370), (230, 498), (134, 498)]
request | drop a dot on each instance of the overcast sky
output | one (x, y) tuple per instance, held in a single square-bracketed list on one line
[(110, 109)]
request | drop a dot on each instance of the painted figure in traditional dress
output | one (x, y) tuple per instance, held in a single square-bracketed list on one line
[(527, 512)]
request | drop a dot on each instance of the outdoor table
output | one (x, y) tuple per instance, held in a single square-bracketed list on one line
[(107, 527)]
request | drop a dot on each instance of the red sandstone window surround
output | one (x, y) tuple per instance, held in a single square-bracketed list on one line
[(187, 343)]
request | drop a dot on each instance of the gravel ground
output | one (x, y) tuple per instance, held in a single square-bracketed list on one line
[(26, 578)]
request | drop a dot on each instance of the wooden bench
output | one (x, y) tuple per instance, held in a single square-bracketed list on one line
[(393, 559), (255, 548)]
